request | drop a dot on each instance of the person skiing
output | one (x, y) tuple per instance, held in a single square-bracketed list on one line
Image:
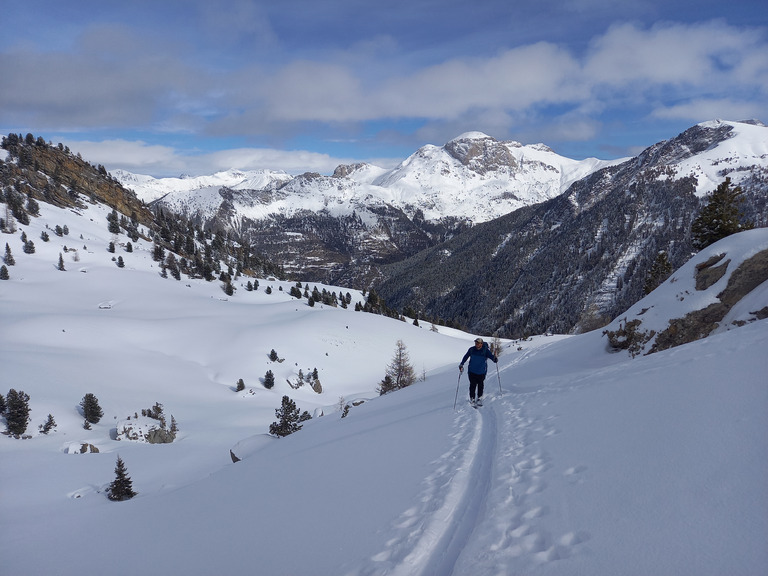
[(478, 366)]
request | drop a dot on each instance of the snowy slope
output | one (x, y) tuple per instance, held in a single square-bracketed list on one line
[(148, 188), (473, 176), (736, 157), (581, 461)]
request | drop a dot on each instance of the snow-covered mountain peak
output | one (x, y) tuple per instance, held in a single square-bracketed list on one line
[(710, 151), (472, 136)]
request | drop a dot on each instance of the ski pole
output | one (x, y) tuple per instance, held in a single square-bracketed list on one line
[(499, 377), (457, 392)]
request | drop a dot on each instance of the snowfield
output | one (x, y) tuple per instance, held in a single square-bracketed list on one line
[(581, 462)]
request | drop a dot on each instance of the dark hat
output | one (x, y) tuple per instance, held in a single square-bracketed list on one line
[(479, 340)]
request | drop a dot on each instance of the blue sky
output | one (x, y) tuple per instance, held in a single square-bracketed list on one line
[(174, 87)]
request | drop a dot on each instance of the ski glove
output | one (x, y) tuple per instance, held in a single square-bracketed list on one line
[(461, 368)]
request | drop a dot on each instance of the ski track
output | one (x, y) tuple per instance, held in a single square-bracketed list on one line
[(511, 536), (486, 501)]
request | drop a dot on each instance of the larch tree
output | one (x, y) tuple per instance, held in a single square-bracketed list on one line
[(400, 373)]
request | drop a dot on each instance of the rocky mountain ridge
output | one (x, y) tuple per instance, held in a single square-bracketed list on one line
[(341, 228), (574, 262)]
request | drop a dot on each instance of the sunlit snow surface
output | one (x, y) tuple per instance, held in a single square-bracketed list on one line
[(581, 461)]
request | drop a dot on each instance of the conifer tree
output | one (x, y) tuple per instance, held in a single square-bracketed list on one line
[(8, 258), (269, 380), (721, 216), (17, 412), (91, 409), (3, 405), (289, 418), (49, 425), (4, 275), (60, 265), (121, 488), (660, 270)]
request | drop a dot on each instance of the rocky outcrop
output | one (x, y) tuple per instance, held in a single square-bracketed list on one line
[(54, 175)]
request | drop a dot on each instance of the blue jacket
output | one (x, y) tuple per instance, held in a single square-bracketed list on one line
[(477, 359)]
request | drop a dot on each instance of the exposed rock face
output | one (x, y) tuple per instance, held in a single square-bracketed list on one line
[(71, 182), (700, 324), (482, 155), (160, 436), (707, 274)]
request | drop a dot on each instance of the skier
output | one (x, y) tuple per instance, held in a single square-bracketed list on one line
[(478, 366)]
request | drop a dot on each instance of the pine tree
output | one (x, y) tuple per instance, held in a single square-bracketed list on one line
[(660, 270), (3, 405), (91, 409), (269, 380), (273, 355), (4, 275), (240, 385), (17, 412), (60, 265), (386, 385), (121, 488), (289, 418), (113, 222), (720, 217), (8, 258), (49, 425)]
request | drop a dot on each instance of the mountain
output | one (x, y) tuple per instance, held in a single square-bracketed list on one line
[(341, 227), (582, 461), (575, 262)]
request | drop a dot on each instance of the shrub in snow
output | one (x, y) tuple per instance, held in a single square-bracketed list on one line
[(269, 380), (49, 425), (240, 385), (629, 337), (151, 427)]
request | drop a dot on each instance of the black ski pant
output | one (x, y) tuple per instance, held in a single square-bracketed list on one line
[(476, 382)]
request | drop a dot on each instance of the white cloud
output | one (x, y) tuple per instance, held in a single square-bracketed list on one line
[(116, 78), (697, 110), (689, 57), (143, 158)]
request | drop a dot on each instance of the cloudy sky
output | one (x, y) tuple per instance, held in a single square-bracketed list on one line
[(187, 86)]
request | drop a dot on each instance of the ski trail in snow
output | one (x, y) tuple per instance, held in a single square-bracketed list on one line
[(511, 534), (431, 535)]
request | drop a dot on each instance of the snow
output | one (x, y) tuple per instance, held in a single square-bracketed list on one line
[(734, 157), (430, 180), (582, 461)]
